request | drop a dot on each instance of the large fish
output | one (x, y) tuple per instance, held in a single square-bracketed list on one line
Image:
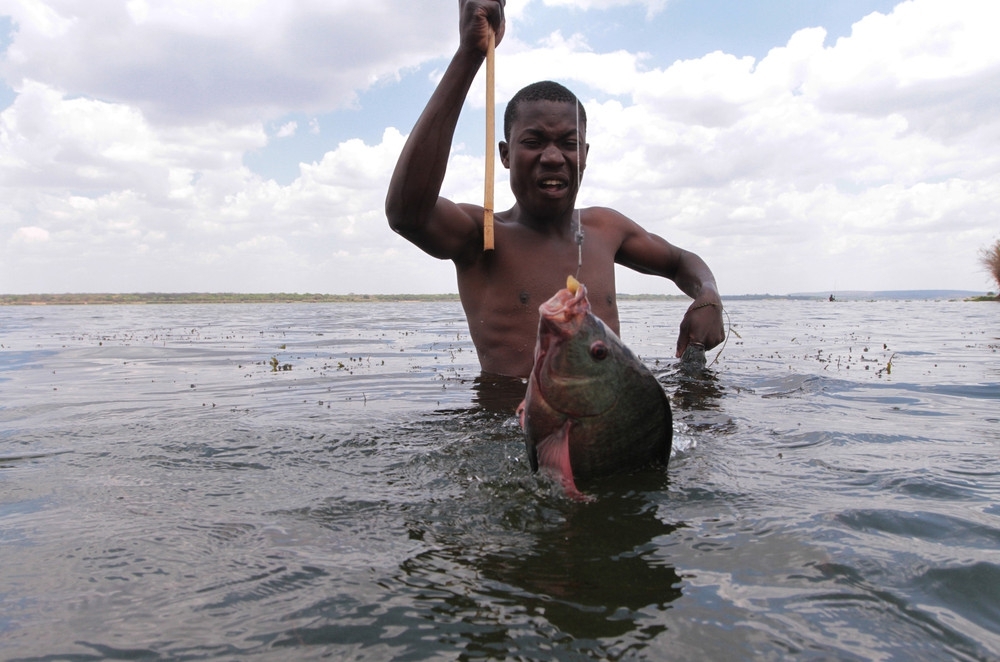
[(592, 408)]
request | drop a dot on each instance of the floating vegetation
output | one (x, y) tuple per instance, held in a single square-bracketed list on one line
[(887, 369), (835, 354), (277, 366)]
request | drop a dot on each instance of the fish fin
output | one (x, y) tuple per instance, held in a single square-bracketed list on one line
[(521, 410), (553, 456)]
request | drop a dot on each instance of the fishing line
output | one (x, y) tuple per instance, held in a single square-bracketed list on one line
[(729, 331), (579, 178)]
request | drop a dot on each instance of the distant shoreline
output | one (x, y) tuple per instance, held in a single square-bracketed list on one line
[(157, 298)]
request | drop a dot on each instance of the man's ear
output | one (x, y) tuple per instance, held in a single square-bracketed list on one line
[(505, 154)]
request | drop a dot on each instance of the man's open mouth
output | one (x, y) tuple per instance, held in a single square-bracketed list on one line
[(552, 184)]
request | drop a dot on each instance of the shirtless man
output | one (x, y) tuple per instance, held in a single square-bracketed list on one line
[(545, 150)]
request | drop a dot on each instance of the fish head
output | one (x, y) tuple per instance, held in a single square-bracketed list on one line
[(577, 356)]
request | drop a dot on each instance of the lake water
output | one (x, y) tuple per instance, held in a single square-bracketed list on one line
[(166, 494)]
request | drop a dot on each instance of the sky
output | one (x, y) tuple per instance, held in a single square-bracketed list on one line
[(246, 145)]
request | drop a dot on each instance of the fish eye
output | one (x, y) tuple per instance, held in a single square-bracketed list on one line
[(599, 351)]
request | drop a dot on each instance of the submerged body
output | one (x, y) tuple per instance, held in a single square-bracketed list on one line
[(591, 408)]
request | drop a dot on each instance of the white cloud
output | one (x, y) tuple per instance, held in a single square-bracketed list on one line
[(186, 60), (30, 235), (234, 231), (51, 141), (652, 6), (859, 155), (567, 59), (287, 130), (871, 162)]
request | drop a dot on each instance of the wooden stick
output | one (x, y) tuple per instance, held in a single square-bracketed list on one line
[(490, 159)]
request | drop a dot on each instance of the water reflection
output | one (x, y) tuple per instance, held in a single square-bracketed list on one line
[(693, 384), (498, 394), (590, 577), (585, 572)]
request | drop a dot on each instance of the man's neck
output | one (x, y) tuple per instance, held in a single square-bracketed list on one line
[(564, 224)]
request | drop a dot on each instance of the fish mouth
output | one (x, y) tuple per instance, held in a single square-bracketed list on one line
[(565, 310), (559, 318)]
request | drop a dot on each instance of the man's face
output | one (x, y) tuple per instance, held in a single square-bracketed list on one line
[(546, 154)]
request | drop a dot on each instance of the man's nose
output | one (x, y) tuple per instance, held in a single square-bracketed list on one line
[(552, 154)]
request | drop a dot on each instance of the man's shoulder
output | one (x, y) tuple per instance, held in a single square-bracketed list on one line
[(606, 219)]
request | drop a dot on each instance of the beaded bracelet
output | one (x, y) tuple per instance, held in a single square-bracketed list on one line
[(705, 305)]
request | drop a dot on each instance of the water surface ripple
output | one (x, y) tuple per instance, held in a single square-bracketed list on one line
[(307, 481)]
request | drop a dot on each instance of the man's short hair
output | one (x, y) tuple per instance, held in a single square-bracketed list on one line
[(545, 90)]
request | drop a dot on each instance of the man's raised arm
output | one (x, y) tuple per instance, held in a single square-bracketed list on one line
[(413, 204)]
